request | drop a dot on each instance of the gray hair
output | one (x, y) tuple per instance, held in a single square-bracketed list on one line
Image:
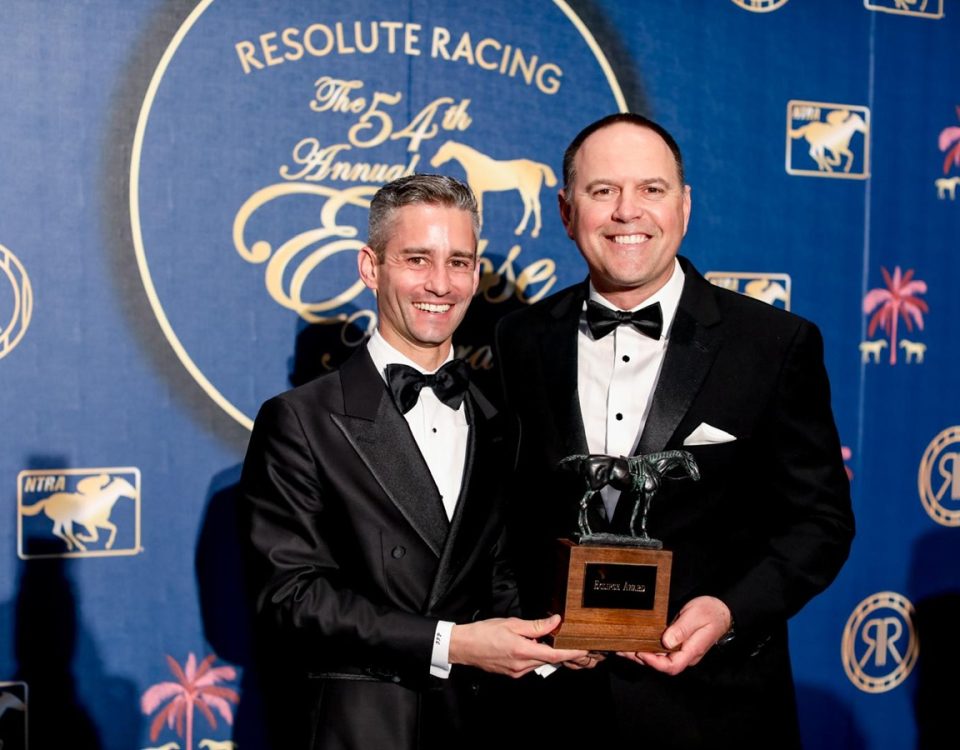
[(417, 189)]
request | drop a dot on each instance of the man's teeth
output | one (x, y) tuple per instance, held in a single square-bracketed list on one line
[(427, 307), (629, 239)]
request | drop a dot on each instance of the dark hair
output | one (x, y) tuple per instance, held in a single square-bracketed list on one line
[(415, 189), (629, 117)]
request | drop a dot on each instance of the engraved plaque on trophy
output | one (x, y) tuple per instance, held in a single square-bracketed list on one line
[(612, 590)]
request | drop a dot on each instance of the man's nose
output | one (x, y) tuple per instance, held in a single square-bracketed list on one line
[(629, 206), (438, 280)]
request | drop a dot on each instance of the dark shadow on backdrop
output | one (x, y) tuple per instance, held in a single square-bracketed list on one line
[(224, 607), (51, 648), (935, 593), (617, 54), (116, 149), (826, 722), (320, 348), (46, 644)]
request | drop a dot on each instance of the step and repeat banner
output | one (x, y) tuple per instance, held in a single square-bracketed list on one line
[(184, 189)]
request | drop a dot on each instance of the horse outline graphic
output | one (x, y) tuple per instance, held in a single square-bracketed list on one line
[(487, 175), (829, 139), (871, 350), (832, 136), (913, 350), (90, 507), (947, 186)]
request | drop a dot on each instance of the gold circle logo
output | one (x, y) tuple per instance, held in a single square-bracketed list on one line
[(939, 477), (880, 645), (13, 323), (760, 6)]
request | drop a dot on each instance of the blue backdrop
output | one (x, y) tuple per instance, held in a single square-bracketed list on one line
[(184, 186)]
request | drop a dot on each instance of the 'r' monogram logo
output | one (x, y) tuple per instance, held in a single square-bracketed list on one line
[(938, 479), (879, 642), (876, 633)]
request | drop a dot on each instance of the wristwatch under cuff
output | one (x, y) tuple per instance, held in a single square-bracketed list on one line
[(727, 637)]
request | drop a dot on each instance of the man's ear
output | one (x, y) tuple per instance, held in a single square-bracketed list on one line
[(367, 265), (687, 207), (564, 212)]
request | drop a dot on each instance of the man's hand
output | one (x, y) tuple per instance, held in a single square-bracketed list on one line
[(507, 645), (587, 662), (697, 627)]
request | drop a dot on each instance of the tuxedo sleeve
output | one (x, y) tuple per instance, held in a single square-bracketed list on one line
[(300, 587), (806, 490)]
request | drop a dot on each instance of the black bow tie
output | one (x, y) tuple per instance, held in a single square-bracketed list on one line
[(601, 319), (449, 383)]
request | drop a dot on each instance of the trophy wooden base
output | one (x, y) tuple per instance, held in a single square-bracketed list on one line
[(611, 598)]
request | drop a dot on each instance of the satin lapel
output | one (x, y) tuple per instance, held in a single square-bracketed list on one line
[(694, 341), (558, 356), (474, 505), (381, 437)]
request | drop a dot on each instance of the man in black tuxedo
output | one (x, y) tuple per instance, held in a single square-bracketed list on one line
[(373, 500), (739, 384)]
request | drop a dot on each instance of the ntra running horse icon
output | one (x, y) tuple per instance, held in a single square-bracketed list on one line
[(832, 136), (89, 507)]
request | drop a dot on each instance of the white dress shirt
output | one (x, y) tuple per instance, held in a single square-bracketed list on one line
[(616, 377), (441, 434)]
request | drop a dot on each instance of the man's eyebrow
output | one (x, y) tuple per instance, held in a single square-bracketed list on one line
[(601, 181), (417, 250)]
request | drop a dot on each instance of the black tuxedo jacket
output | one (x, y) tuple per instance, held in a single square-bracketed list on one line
[(766, 528), (353, 562)]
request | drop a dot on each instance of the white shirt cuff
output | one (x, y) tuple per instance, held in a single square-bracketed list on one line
[(440, 665)]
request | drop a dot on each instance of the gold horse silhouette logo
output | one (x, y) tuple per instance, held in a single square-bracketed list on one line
[(485, 175), (89, 507), (830, 141)]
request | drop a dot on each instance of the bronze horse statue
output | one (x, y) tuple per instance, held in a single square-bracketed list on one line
[(641, 476)]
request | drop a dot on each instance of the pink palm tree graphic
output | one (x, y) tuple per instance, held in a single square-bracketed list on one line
[(950, 142), (195, 687), (898, 300)]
